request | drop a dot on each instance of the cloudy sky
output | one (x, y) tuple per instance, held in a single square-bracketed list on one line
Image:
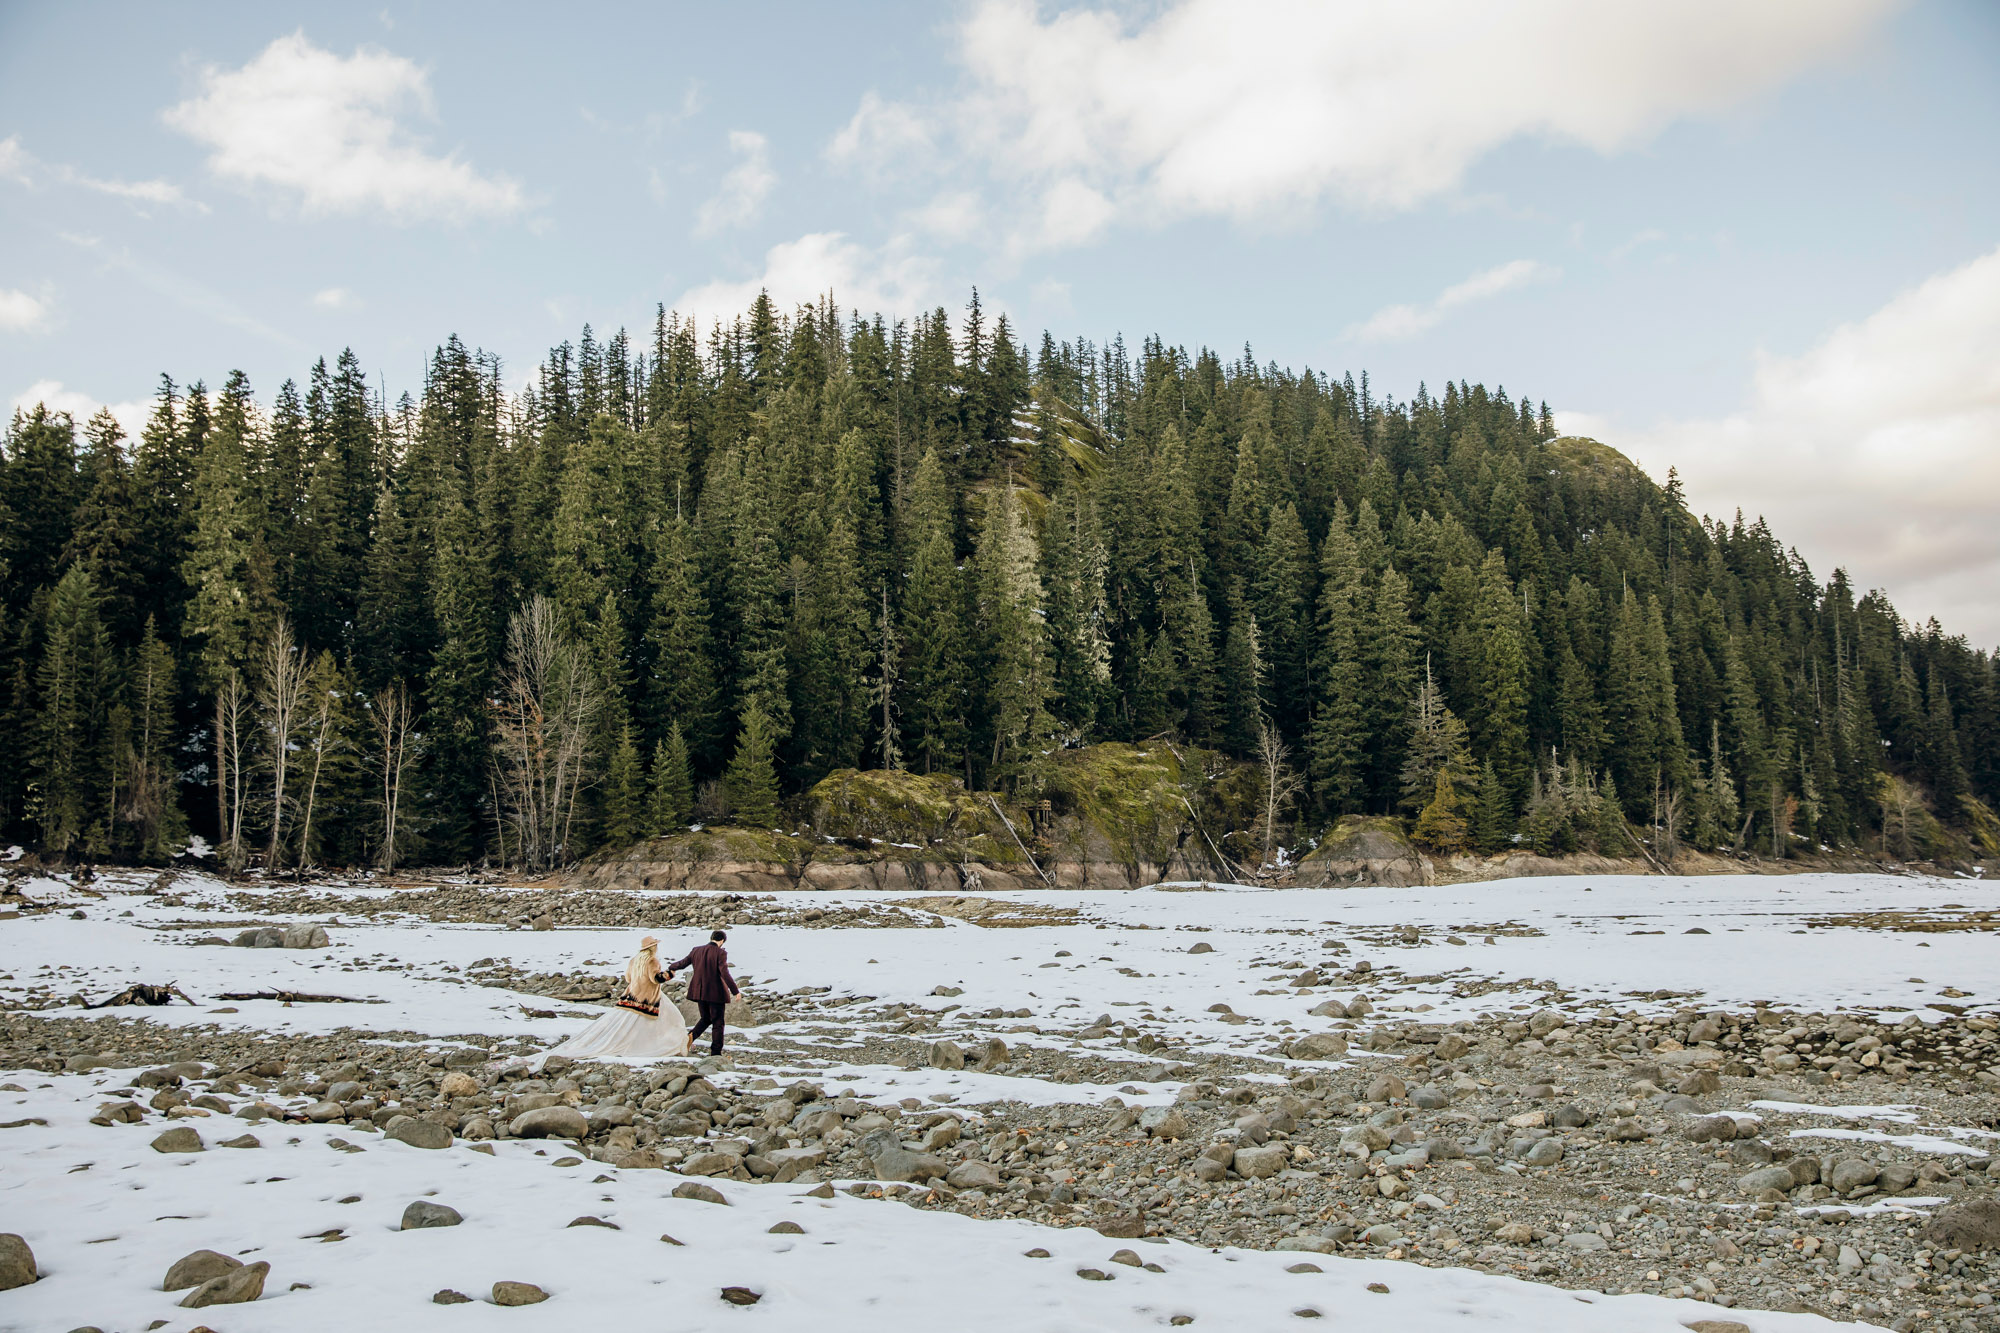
[(1755, 239)]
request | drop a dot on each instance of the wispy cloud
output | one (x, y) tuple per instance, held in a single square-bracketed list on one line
[(335, 298), (327, 130), (744, 188), (1397, 323), (24, 168)]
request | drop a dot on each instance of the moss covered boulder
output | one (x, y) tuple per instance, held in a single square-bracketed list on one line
[(1364, 849)]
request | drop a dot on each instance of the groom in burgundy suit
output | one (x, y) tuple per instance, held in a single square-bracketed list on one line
[(710, 987)]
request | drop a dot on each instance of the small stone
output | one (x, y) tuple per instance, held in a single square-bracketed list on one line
[(1129, 1258), (418, 1133), (694, 1189), (1305, 1268), (1306, 1312), (1379, 1288), (450, 1297), (1765, 1178), (1201, 946), (947, 1055), (179, 1139), (1717, 1326), (1163, 1122), (17, 1263), (1451, 1046), (786, 1229), (518, 1293), (1036, 1253), (423, 1214), (241, 1141), (238, 1286), (1385, 1088), (1585, 1242), (1093, 1275), (588, 1221), (1545, 1152), (973, 1174), (668, 1240), (741, 1295), (1514, 1233)]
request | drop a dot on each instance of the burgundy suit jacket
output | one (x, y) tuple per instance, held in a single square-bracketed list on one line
[(709, 980)]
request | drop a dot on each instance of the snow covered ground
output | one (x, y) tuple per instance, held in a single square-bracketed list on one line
[(106, 1215)]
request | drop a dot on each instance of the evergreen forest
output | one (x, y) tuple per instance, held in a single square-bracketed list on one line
[(685, 576)]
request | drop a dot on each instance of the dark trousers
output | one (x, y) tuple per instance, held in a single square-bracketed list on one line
[(711, 1017)]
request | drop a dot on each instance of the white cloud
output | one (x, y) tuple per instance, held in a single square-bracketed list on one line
[(800, 272), (953, 215), (1398, 322), (743, 190), (880, 136), (81, 406), (20, 312), (22, 167), (335, 298), (325, 127), (1875, 450), (1260, 109)]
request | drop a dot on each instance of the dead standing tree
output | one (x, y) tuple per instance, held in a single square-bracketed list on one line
[(1282, 784), (281, 693), (394, 715), (548, 698)]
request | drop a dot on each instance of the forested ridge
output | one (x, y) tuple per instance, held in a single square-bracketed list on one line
[(686, 577)]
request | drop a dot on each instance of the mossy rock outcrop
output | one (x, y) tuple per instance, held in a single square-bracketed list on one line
[(1364, 849)]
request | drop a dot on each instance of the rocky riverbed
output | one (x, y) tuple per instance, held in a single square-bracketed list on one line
[(1746, 1156)]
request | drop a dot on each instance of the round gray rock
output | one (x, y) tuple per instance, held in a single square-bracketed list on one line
[(236, 1287), (424, 1214), (418, 1133), (178, 1139), (550, 1122)]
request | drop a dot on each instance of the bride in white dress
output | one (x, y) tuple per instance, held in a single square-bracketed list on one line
[(645, 1024)]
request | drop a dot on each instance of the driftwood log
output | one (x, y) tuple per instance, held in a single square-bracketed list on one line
[(295, 997), (143, 994)]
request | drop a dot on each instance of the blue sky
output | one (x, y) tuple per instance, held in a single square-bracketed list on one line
[(1755, 241)]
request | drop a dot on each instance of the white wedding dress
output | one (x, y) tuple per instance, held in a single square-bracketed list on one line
[(626, 1034)]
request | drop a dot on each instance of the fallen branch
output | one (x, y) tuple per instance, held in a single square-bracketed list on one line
[(295, 997), (143, 994)]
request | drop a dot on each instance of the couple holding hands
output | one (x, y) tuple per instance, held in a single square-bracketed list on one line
[(646, 1024)]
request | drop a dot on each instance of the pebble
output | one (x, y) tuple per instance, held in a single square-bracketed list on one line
[(179, 1139), (423, 1214), (518, 1293)]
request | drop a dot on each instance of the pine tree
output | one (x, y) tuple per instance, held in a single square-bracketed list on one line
[(1437, 746), (934, 707), (68, 759), (626, 812), (1493, 819), (151, 795), (1338, 738), (672, 799), (750, 784)]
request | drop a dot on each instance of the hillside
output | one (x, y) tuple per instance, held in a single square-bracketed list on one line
[(686, 583)]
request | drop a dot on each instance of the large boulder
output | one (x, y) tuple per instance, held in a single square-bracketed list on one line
[(1972, 1225), (1364, 849), (550, 1122), (236, 1287), (305, 936), (194, 1269), (17, 1262)]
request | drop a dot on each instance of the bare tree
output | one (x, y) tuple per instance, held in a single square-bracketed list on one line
[(548, 697), (232, 717), (394, 715), (281, 692), (1281, 784), (323, 739)]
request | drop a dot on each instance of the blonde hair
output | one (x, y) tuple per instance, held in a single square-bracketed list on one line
[(639, 973)]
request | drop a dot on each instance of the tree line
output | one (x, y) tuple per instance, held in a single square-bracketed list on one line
[(684, 579)]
